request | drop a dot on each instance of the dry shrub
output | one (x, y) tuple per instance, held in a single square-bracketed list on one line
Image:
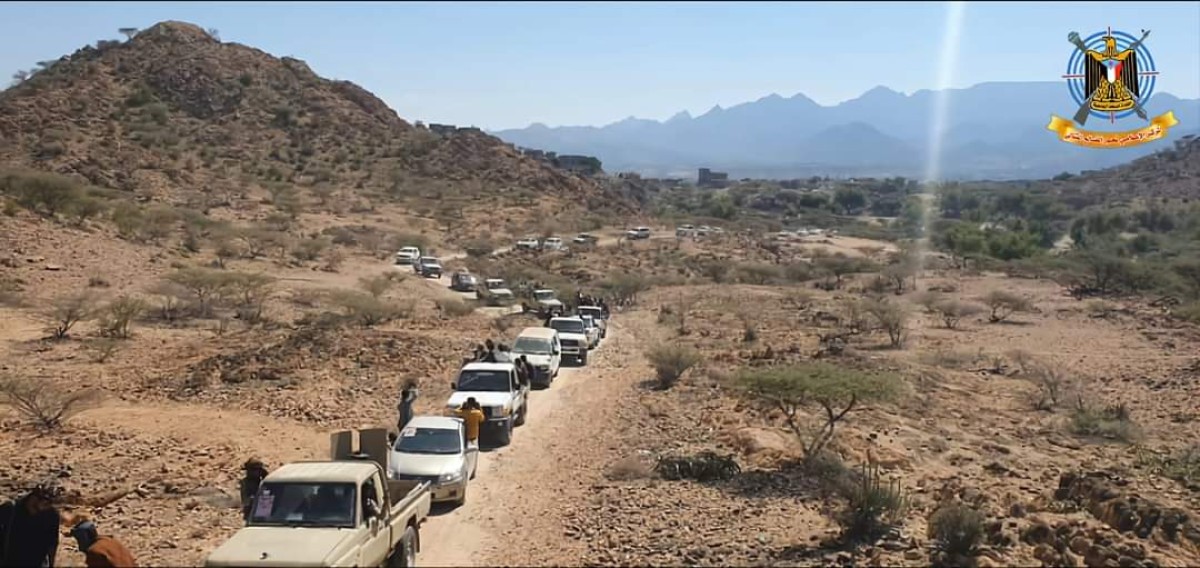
[(704, 466), (454, 307), (891, 317), (956, 529), (1111, 422), (670, 362), (118, 315), (1003, 304), (1051, 382), (369, 311), (378, 285), (66, 311), (953, 311), (102, 349), (43, 404), (949, 359)]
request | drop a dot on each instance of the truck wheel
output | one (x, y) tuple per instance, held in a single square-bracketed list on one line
[(462, 498), (524, 413), (583, 359), (405, 554), (504, 438)]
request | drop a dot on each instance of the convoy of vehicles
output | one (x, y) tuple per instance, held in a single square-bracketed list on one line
[(503, 397), (541, 347), (433, 449), (365, 506), (342, 512)]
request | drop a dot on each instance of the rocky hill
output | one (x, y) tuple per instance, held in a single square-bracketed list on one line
[(1169, 173), (176, 115)]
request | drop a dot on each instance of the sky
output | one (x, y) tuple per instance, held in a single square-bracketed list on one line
[(500, 65)]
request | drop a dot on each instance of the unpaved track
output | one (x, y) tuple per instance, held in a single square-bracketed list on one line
[(522, 491)]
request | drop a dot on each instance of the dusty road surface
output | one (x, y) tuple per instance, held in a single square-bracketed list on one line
[(522, 492)]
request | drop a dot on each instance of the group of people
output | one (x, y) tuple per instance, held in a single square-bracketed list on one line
[(29, 532), (491, 352), (582, 299)]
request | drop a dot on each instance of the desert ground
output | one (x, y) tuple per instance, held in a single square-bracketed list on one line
[(156, 461)]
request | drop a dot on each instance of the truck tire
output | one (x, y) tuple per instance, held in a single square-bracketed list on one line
[(462, 499), (583, 359), (504, 438), (524, 411), (405, 554)]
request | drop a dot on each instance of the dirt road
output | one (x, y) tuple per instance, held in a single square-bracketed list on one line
[(522, 491)]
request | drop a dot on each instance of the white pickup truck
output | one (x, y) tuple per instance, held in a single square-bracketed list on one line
[(572, 334), (495, 387), (343, 512)]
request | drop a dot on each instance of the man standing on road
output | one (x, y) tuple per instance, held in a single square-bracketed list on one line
[(472, 414), (29, 528)]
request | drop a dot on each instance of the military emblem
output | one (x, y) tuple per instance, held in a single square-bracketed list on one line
[(1110, 75)]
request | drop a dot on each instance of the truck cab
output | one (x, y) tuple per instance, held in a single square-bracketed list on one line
[(496, 388), (342, 512), (496, 293), (598, 316), (429, 267), (408, 256), (528, 243), (547, 301), (552, 243), (572, 333)]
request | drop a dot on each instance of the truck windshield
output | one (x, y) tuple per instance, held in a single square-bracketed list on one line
[(494, 284), (429, 441), (567, 326), (484, 381), (304, 504), (543, 296), (590, 311), (532, 346)]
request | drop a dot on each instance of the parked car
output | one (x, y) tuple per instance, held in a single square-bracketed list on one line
[(540, 346), (463, 281), (529, 243), (408, 256), (343, 512), (434, 449), (503, 397), (430, 267)]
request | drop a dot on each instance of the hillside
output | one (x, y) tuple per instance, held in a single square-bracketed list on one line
[(995, 131), (176, 115)]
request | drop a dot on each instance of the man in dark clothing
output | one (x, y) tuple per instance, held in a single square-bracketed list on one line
[(29, 528), (100, 551), (525, 371), (255, 472)]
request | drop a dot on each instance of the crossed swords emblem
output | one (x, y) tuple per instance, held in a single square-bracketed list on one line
[(1084, 111)]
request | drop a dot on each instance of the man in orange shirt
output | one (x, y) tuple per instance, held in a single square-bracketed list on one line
[(472, 414)]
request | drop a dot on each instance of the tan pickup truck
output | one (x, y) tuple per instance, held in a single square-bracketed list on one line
[(343, 512)]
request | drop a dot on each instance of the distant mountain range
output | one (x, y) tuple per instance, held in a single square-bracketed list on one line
[(994, 131)]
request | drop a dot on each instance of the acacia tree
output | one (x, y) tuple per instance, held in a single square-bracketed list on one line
[(835, 390), (128, 32)]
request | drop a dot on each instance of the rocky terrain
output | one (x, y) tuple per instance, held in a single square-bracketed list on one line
[(208, 332)]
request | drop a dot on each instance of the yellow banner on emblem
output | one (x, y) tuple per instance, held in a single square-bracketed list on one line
[(1067, 132)]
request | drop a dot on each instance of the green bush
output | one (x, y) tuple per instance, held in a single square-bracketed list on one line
[(1113, 422), (872, 506)]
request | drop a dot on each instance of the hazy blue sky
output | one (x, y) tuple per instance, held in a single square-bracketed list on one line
[(502, 65)]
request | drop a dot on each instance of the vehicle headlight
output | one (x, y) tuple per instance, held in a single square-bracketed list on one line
[(449, 477), (502, 411)]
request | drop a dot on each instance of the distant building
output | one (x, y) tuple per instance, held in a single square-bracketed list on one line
[(709, 178), (443, 129), (629, 175), (589, 165)]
